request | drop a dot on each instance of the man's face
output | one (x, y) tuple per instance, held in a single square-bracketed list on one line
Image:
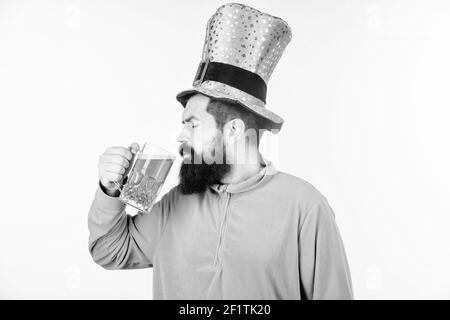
[(202, 148), (200, 131)]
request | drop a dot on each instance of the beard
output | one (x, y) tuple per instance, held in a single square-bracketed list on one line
[(197, 177)]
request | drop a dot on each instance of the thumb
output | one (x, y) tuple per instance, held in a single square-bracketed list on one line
[(134, 148)]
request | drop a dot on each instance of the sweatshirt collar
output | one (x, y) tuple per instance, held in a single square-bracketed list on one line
[(264, 174)]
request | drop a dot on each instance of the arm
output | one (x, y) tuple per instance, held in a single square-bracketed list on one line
[(324, 270), (121, 241)]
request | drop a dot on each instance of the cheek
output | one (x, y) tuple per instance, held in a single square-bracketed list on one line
[(207, 148), (200, 143), (215, 146), (196, 139), (204, 141)]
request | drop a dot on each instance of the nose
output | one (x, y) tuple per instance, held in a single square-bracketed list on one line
[(182, 137)]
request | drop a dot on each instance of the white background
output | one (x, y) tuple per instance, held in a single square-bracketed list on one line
[(363, 88)]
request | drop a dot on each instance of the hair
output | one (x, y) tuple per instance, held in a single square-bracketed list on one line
[(224, 111)]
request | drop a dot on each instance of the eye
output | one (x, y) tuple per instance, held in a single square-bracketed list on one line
[(194, 125)]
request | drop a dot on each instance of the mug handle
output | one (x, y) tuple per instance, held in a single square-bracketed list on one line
[(125, 179)]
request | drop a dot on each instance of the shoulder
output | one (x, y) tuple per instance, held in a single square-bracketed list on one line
[(297, 188), (299, 194)]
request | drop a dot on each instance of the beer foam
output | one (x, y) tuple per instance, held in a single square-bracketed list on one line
[(155, 156)]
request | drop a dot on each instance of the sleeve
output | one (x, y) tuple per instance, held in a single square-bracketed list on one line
[(324, 270), (118, 240)]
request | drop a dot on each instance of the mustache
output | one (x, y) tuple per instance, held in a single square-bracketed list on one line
[(217, 156)]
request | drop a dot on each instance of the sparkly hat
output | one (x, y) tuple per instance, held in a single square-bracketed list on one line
[(241, 49)]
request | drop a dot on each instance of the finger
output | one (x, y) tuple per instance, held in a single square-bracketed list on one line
[(114, 158), (120, 151), (114, 168), (112, 177), (111, 166)]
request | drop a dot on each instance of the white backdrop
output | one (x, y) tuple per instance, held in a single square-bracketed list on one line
[(363, 88)]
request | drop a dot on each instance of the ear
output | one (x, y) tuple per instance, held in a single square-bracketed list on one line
[(233, 130)]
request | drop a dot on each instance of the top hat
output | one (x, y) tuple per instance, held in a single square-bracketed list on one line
[(241, 49)]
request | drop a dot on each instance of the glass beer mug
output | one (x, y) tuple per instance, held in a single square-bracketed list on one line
[(149, 170)]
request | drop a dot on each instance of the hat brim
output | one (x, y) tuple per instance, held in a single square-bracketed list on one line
[(273, 121)]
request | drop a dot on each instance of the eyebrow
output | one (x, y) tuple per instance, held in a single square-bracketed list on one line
[(189, 119)]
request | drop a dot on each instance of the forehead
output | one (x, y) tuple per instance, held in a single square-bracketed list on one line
[(196, 106)]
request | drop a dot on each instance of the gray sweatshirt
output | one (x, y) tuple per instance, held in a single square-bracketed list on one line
[(272, 236)]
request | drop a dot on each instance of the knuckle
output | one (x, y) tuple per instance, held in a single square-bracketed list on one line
[(121, 161), (114, 159), (125, 154)]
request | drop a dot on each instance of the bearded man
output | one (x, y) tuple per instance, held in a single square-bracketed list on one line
[(234, 227)]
